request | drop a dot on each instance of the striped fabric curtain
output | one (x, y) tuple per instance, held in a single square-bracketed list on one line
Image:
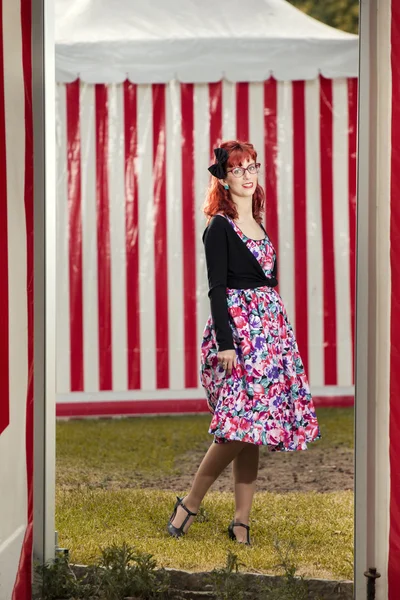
[(16, 300), (132, 176)]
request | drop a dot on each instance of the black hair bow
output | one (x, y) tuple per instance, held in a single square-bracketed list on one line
[(218, 169)]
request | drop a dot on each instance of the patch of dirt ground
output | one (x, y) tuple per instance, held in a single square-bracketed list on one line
[(316, 469)]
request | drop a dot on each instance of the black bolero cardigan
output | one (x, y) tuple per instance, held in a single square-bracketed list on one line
[(230, 264)]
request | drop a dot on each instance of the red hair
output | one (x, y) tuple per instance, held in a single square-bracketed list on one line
[(218, 199)]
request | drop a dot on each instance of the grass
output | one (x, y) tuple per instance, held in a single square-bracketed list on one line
[(129, 449), (319, 526), (124, 452), (92, 514)]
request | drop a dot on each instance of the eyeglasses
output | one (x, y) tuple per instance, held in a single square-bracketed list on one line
[(239, 171)]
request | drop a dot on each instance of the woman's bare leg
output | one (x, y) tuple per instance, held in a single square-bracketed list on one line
[(217, 458), (245, 470)]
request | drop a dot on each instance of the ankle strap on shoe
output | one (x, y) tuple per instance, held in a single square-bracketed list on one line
[(235, 524), (190, 513)]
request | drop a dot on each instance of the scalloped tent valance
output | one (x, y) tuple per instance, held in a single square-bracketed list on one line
[(191, 41)]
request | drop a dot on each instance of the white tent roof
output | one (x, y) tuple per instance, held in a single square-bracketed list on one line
[(155, 41)]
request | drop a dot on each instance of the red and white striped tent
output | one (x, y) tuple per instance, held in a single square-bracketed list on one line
[(143, 97)]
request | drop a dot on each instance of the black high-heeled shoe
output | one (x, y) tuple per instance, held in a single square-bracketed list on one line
[(178, 531), (232, 534)]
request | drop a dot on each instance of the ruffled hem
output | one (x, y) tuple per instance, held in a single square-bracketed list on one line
[(277, 439)]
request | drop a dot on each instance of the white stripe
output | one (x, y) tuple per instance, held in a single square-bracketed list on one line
[(89, 240), (341, 231), (228, 110), (314, 237), (256, 125), (174, 236), (12, 441), (146, 237), (188, 394), (116, 171), (62, 287), (201, 151), (285, 197)]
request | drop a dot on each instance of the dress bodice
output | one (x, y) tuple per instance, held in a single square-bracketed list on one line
[(263, 250)]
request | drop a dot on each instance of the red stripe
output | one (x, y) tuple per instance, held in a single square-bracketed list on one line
[(300, 218), (4, 316), (215, 95), (326, 135), (75, 236), (103, 239), (166, 407), (352, 111), (394, 427), (160, 236), (242, 111), (132, 236), (271, 160), (22, 588), (189, 236)]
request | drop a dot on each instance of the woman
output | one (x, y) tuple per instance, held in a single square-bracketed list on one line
[(251, 368)]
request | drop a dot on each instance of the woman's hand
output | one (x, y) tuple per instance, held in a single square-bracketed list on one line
[(227, 359)]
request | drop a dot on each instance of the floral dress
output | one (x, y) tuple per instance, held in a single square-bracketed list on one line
[(267, 399)]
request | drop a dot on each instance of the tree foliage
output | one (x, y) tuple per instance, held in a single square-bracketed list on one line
[(342, 14)]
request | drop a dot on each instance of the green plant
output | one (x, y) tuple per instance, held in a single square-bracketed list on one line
[(120, 572), (225, 582), (227, 585), (202, 515), (130, 573), (57, 580), (291, 586)]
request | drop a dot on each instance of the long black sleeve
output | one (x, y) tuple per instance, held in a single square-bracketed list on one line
[(216, 250)]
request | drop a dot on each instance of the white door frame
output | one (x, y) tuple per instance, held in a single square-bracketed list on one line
[(44, 278), (372, 474), (372, 468)]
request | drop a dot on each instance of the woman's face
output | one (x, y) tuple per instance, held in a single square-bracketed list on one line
[(245, 185)]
